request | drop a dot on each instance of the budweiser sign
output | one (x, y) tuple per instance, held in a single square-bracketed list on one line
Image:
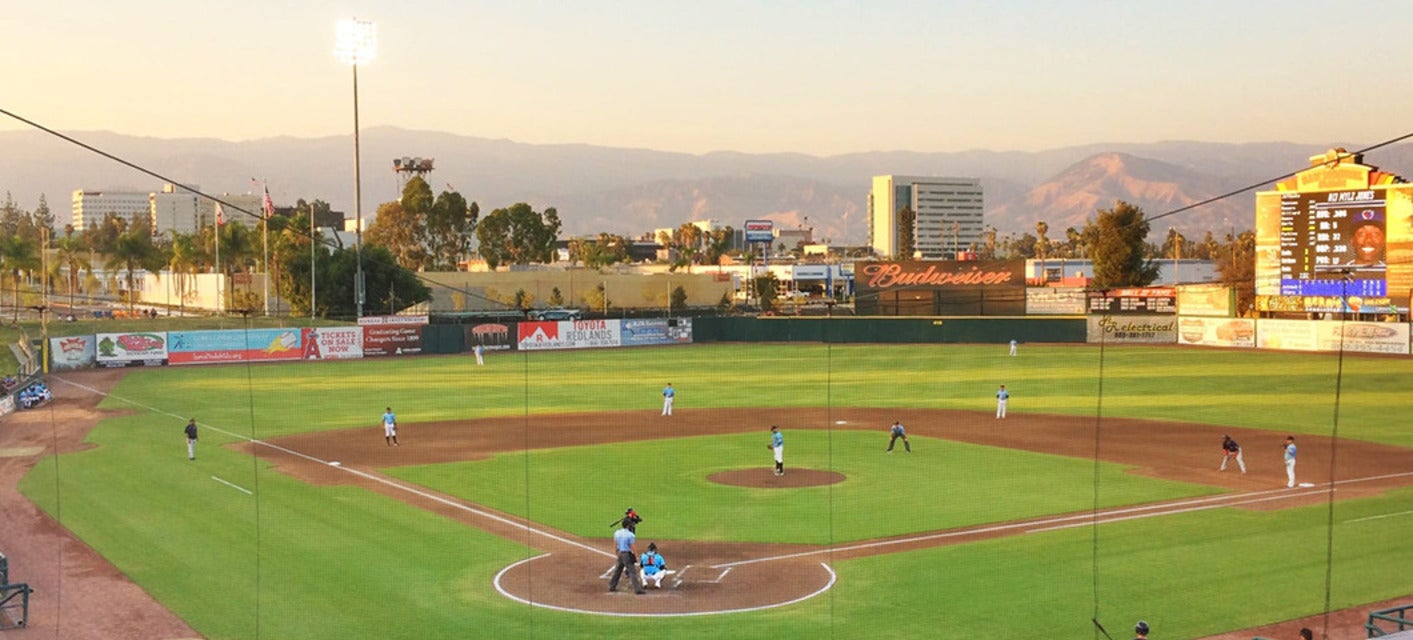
[(948, 274)]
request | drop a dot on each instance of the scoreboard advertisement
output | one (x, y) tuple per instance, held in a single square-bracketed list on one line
[(1335, 250)]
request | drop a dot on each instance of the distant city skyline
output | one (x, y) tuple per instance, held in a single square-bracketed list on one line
[(821, 78)]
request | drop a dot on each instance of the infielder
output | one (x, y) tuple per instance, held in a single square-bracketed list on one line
[(190, 439), (1001, 397), (667, 396), (390, 428), (1230, 449), (777, 443), (1290, 461), (898, 432)]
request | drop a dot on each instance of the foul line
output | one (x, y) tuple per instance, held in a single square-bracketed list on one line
[(233, 486), (1380, 517), (367, 476), (833, 577)]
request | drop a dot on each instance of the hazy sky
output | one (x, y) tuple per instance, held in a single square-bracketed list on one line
[(782, 75)]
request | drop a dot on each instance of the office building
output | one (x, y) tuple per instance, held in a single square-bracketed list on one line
[(948, 215)]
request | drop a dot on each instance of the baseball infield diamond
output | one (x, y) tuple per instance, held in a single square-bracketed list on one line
[(716, 577)]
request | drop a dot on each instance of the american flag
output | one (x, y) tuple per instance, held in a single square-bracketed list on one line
[(220, 214), (267, 205)]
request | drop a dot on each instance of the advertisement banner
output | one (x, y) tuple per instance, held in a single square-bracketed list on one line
[(1132, 329), (760, 231), (1363, 337), (73, 352), (132, 349), (216, 347), (1134, 300), (1217, 332), (1053, 301), (494, 336), (392, 340), (657, 331), (1205, 301), (575, 334), (368, 321), (333, 343), (940, 288), (1291, 335)]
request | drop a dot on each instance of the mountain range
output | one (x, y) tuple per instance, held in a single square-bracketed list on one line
[(631, 191)]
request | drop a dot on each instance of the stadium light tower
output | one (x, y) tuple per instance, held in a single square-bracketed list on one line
[(356, 42)]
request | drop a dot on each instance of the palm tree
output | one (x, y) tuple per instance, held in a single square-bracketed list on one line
[(73, 256), (183, 261), (132, 249), (1042, 246), (16, 255)]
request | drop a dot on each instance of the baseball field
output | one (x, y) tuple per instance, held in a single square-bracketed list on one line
[(1097, 498)]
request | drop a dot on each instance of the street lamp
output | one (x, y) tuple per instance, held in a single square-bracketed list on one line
[(355, 44)]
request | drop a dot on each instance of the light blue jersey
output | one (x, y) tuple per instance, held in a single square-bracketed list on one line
[(777, 439), (669, 392), (623, 540), (1290, 451), (389, 418)]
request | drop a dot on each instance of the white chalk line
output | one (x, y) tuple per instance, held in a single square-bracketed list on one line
[(367, 476), (1379, 517), (233, 486), (833, 577)]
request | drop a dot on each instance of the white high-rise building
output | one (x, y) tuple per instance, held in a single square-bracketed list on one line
[(91, 206), (948, 215), (176, 208)]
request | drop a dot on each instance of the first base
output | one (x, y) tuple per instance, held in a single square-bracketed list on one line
[(336, 463)]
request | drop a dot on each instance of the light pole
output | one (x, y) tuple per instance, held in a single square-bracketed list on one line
[(356, 43)]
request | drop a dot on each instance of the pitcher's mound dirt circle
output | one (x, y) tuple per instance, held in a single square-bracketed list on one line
[(765, 478)]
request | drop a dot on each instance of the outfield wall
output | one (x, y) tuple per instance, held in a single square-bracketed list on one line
[(888, 330)]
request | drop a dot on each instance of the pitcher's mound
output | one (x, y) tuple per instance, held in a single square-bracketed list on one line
[(765, 478)]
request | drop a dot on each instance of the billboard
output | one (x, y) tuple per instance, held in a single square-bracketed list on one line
[(1132, 329), (1148, 300), (132, 349), (1338, 230), (1217, 332), (1205, 300), (760, 231), (216, 347), (1330, 335), (494, 336), (1054, 301), (940, 288), (569, 334), (391, 339), (656, 331), (332, 343), (73, 352)]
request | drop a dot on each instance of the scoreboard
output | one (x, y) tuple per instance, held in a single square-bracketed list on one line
[(1134, 301), (1333, 243)]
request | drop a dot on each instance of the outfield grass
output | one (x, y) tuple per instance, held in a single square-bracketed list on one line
[(334, 562)]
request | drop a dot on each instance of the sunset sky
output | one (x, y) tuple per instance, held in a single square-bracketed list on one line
[(817, 77)]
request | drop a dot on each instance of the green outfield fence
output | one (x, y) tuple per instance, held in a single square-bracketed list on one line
[(888, 330)]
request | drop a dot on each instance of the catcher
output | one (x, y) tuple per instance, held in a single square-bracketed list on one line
[(1230, 449)]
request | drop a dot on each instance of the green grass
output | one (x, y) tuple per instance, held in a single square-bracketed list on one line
[(331, 562), (943, 485)]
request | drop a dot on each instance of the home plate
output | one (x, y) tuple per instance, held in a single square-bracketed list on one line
[(1306, 485), (336, 463)]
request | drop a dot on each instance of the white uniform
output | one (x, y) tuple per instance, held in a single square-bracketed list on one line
[(668, 395), (1001, 397), (1290, 464), (1013, 347), (480, 355)]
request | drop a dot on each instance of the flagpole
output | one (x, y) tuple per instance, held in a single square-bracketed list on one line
[(313, 263), (266, 209), (220, 306)]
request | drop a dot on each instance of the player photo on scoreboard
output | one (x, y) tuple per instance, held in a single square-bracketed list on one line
[(1360, 247)]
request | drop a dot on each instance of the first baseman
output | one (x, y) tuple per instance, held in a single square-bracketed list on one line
[(1001, 397), (777, 443), (190, 439), (897, 431), (390, 428), (667, 396), (1230, 449), (1290, 461)]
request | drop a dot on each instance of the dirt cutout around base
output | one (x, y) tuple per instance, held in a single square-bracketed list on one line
[(765, 478)]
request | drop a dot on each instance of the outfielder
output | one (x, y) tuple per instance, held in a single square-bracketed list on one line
[(1013, 347), (777, 443), (390, 428), (668, 395), (1001, 397), (190, 439), (898, 432), (1230, 449), (480, 352), (1290, 461)]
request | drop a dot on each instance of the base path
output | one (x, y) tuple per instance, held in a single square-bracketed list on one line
[(567, 572)]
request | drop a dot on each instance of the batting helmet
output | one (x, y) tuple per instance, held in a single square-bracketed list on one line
[(1141, 628)]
